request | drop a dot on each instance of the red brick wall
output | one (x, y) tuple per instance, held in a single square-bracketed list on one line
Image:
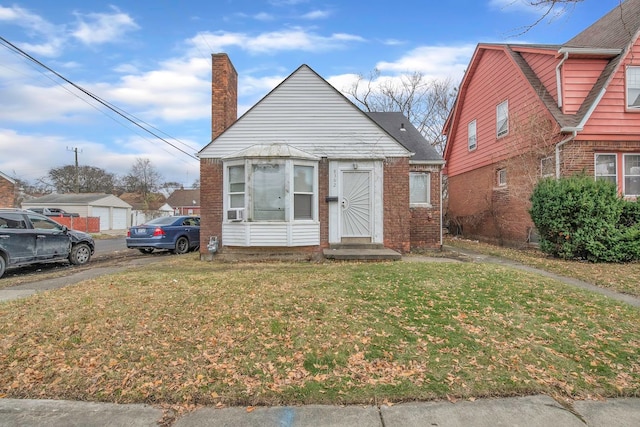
[(397, 220), (7, 193), (211, 193), (224, 94), (323, 205), (481, 210), (426, 221)]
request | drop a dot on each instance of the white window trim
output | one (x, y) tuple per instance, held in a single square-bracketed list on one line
[(626, 87), (289, 193), (471, 146), (421, 204), (501, 177), (595, 166), (624, 174), (506, 109)]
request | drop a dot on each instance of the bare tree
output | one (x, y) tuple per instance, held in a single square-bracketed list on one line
[(90, 179), (143, 178), (425, 102), (549, 8)]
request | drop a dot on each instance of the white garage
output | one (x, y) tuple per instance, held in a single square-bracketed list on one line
[(114, 213)]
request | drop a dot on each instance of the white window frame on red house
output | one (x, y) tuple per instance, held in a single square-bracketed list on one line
[(631, 174), (502, 177), (502, 119), (472, 135), (632, 92)]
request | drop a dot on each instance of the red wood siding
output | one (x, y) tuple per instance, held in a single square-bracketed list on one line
[(545, 68), (578, 78), (495, 80), (611, 120)]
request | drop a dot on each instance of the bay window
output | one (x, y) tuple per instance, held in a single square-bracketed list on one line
[(272, 190)]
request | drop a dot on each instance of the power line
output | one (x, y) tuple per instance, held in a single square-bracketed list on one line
[(105, 103)]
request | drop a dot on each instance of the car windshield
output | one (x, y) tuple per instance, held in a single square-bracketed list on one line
[(163, 220)]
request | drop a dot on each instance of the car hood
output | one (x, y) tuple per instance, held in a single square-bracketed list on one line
[(80, 236)]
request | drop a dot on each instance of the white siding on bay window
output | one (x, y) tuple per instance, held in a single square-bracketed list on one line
[(270, 234), (307, 113)]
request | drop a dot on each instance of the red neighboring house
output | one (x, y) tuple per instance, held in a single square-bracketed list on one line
[(528, 111), (304, 170), (185, 202)]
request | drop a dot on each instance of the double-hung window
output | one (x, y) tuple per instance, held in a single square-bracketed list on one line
[(502, 119), (419, 189), (236, 187), (302, 192), (606, 167), (633, 88), (472, 141), (632, 175)]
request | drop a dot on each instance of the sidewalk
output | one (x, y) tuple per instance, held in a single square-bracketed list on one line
[(530, 411)]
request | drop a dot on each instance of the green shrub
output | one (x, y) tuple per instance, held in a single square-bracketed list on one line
[(581, 218)]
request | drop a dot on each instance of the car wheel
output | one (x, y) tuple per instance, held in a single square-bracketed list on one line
[(182, 246), (80, 254), (3, 265), (146, 250)]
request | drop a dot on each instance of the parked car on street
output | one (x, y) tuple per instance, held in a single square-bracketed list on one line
[(28, 237), (53, 212), (178, 234)]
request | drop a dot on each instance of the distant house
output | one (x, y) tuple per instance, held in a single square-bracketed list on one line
[(7, 191), (185, 202), (114, 213), (305, 170), (144, 210), (529, 111)]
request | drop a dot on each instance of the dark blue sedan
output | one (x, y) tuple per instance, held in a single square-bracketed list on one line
[(178, 234)]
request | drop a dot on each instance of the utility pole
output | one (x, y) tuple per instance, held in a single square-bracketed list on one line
[(75, 150)]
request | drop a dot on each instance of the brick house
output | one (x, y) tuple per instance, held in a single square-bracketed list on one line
[(304, 170), (7, 191), (185, 202), (527, 111)]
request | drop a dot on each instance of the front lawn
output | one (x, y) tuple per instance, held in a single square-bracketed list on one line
[(623, 278), (189, 332)]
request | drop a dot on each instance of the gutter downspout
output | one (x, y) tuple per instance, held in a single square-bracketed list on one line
[(558, 146), (559, 79)]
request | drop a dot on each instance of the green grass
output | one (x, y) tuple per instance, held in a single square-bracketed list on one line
[(623, 278), (188, 332)]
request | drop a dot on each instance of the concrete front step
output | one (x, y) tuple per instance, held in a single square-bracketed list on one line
[(362, 254)]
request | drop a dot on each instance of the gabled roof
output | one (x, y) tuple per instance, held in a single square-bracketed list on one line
[(400, 128), (154, 201), (306, 112), (7, 177), (182, 198), (615, 30), (610, 37)]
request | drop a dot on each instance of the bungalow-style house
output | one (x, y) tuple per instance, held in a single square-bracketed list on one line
[(527, 111), (7, 191), (304, 170), (185, 202)]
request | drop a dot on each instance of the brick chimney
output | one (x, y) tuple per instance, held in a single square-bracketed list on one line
[(224, 94)]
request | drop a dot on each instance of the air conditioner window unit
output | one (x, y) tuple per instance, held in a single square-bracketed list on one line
[(235, 214)]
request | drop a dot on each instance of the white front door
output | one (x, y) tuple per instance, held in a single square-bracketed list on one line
[(355, 206)]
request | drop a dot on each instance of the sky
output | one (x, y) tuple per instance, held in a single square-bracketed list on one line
[(151, 59)]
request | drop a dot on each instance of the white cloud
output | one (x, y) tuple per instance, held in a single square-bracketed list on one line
[(263, 16), (316, 14), (433, 61), (271, 42), (37, 27), (99, 28)]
